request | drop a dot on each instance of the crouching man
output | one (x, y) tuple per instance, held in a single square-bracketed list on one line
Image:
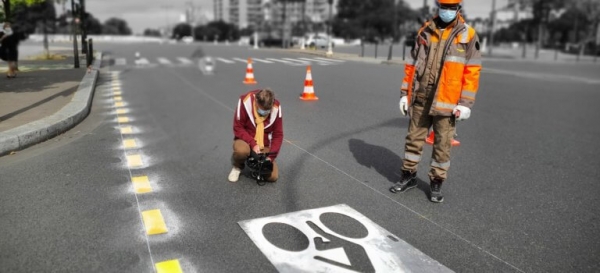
[(258, 127)]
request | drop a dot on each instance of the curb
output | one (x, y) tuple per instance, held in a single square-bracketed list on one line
[(66, 118)]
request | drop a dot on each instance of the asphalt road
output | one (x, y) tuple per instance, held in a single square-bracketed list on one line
[(520, 197)]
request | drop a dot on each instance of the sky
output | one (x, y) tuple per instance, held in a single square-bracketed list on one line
[(142, 14)]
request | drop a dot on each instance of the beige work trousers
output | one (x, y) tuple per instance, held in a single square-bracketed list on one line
[(241, 152), (418, 129)]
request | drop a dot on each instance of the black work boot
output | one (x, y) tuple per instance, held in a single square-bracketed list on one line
[(436, 191), (407, 182)]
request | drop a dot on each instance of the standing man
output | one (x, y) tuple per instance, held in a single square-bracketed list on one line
[(257, 125), (439, 88)]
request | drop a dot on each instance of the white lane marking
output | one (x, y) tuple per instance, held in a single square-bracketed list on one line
[(261, 61), (225, 61), (319, 62), (283, 61), (330, 60), (164, 61), (185, 60), (240, 60), (296, 61), (142, 61)]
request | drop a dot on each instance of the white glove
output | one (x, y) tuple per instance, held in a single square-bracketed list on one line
[(403, 105), (463, 112)]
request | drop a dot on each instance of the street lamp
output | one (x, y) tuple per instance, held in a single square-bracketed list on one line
[(394, 29), (329, 50), (73, 28)]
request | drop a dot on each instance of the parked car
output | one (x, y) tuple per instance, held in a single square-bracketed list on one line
[(318, 41)]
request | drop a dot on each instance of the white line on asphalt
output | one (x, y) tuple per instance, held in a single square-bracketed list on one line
[(261, 61), (297, 61), (330, 60), (283, 61), (184, 60), (164, 61), (240, 60), (142, 61), (319, 62), (225, 61)]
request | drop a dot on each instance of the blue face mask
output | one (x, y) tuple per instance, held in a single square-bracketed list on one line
[(263, 113), (447, 15)]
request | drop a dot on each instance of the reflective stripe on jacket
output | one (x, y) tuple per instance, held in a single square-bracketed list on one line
[(458, 79)]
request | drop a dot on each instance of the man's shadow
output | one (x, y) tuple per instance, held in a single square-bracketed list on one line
[(384, 161)]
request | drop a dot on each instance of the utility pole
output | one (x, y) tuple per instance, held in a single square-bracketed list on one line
[(283, 25), (394, 29), (493, 27), (329, 49), (83, 21), (74, 30)]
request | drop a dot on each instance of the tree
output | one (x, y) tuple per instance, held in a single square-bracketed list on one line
[(116, 26), (152, 32), (371, 19), (181, 30)]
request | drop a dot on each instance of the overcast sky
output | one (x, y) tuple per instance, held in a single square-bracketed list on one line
[(142, 14)]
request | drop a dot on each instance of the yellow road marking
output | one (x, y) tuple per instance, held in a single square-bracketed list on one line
[(154, 222), (118, 98), (126, 130), (119, 104), (117, 93), (122, 119), (171, 266), (121, 111), (129, 143), (141, 184), (134, 161)]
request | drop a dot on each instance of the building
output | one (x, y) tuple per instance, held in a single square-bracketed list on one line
[(252, 13)]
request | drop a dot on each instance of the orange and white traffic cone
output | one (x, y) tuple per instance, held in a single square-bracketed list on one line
[(249, 73), (309, 90), (431, 137)]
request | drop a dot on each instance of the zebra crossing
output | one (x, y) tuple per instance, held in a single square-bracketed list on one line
[(188, 62)]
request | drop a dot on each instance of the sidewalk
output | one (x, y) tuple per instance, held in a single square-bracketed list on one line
[(46, 98)]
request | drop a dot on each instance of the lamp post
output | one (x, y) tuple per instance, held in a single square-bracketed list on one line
[(82, 21), (493, 23), (394, 29), (73, 28), (329, 50)]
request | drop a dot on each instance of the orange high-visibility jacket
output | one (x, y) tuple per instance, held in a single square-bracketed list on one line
[(458, 80)]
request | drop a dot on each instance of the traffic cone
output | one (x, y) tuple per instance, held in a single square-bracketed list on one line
[(249, 73), (431, 136), (309, 90)]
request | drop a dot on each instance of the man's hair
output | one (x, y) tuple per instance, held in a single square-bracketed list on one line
[(265, 98)]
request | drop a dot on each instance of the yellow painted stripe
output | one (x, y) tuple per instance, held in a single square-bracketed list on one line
[(126, 130), (121, 111), (154, 222), (116, 88), (171, 266), (141, 184), (134, 161), (119, 104), (117, 93), (129, 144), (118, 98), (122, 119)]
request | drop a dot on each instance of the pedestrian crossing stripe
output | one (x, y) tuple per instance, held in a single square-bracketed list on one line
[(164, 61), (187, 62), (225, 61)]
